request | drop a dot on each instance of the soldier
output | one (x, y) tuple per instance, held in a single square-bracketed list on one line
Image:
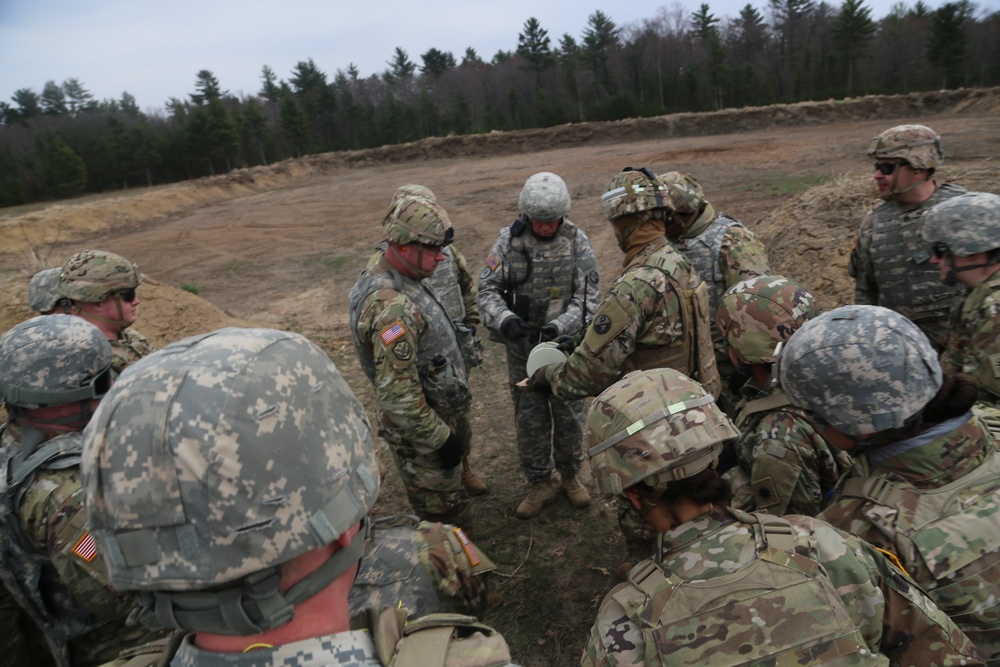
[(226, 531), (539, 283), (964, 235), (925, 485), (889, 261), (408, 348), (53, 370), (101, 288), (43, 295), (727, 587), (791, 468), (721, 250), (455, 288)]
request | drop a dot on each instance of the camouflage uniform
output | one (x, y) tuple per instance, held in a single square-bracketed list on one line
[(889, 261), (421, 566), (855, 602), (409, 350), (129, 347), (557, 279)]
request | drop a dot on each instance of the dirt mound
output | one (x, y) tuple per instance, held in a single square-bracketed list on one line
[(166, 313)]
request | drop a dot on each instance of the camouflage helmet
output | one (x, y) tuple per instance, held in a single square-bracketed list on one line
[(417, 220), (544, 197), (967, 224), (215, 460), (91, 275), (653, 426), (412, 190), (757, 314), (861, 369), (685, 192), (918, 145), (42, 290), (634, 191), (53, 360)]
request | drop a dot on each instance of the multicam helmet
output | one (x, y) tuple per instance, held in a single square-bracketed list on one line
[(53, 360), (757, 314), (417, 220), (412, 190), (685, 192), (544, 197), (634, 191), (42, 290), (216, 459), (653, 426), (862, 369), (967, 224), (918, 145), (91, 275)]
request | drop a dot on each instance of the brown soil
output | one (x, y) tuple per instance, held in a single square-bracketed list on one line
[(280, 246)]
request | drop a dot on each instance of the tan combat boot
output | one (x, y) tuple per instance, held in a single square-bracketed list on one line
[(473, 485), (577, 492), (540, 494)]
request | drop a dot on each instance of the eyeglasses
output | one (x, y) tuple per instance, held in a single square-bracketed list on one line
[(886, 168), (940, 250), (126, 295)]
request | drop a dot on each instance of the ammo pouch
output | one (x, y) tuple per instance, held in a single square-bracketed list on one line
[(435, 640), (519, 304), (445, 391), (469, 345)]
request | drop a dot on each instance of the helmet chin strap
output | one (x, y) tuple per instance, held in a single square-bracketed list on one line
[(100, 319), (951, 278), (899, 191)]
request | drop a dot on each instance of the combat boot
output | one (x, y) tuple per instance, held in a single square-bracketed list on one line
[(473, 485), (540, 494), (577, 492)]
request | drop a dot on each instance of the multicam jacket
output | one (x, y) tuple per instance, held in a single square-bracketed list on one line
[(128, 348), (814, 596), (934, 501), (974, 340)]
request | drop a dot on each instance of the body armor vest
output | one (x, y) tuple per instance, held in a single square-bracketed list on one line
[(445, 385), (679, 618), (28, 574), (542, 271), (444, 280), (907, 282), (703, 253)]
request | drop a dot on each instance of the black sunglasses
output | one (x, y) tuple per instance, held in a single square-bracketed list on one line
[(127, 295), (886, 168), (940, 250)]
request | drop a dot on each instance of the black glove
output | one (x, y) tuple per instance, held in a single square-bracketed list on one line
[(549, 332), (539, 383), (513, 329), (566, 344), (451, 452)]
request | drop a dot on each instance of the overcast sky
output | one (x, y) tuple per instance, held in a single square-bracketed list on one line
[(154, 50)]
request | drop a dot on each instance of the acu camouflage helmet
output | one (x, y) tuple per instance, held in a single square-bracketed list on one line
[(215, 460), (918, 145), (685, 192), (417, 220), (544, 197), (967, 224), (757, 314), (862, 369), (634, 191), (43, 295), (92, 275), (655, 427), (53, 360)]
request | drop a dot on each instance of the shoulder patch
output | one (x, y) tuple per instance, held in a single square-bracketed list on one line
[(86, 547), (392, 332), (467, 546), (492, 262), (403, 350), (610, 320), (485, 273), (602, 323)]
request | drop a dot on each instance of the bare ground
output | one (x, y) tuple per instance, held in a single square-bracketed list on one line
[(280, 246)]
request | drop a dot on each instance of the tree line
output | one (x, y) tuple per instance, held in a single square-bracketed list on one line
[(62, 142)]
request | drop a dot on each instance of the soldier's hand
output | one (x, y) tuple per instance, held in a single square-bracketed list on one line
[(549, 332), (513, 329), (451, 452), (538, 382), (566, 344)]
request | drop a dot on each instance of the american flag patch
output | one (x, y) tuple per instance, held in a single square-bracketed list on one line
[(470, 550), (492, 262), (390, 334), (86, 548)]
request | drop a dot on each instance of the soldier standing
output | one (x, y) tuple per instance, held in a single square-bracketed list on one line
[(101, 288), (728, 587), (225, 531), (890, 261), (409, 349), (540, 282), (964, 235), (53, 370), (790, 468), (925, 485)]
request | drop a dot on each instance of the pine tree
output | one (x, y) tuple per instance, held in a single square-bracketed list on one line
[(949, 44), (534, 45), (852, 33)]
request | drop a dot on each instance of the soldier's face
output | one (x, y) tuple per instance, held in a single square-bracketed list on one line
[(545, 228), (901, 177)]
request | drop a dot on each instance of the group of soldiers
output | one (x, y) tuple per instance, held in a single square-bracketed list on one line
[(792, 486)]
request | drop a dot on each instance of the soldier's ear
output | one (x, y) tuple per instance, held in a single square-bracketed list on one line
[(634, 498)]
